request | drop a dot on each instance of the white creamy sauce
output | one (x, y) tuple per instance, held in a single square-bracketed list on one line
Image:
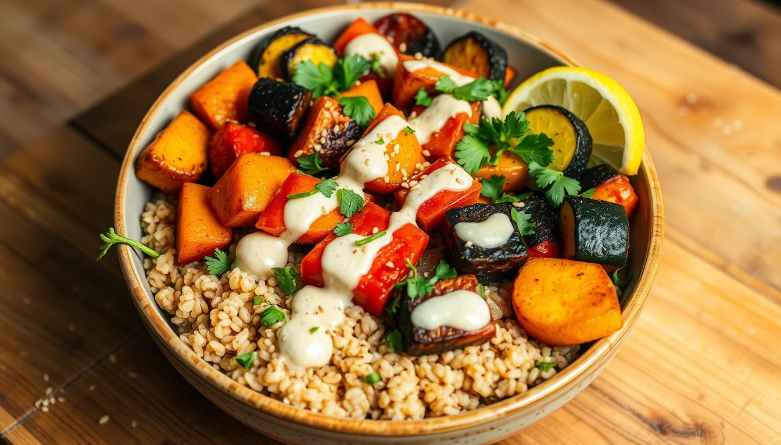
[(451, 177), (258, 252), (492, 109), (493, 232), (366, 45), (431, 120), (460, 309)]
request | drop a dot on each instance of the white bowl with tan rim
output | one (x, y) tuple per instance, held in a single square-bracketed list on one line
[(528, 55)]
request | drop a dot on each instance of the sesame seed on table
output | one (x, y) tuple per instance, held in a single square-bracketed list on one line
[(703, 362)]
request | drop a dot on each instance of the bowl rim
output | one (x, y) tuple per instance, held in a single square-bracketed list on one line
[(539, 395)]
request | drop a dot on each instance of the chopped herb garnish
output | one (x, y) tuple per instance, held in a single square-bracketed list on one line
[(286, 279), (257, 300), (476, 90), (499, 92), (544, 366), (380, 141), (588, 193), (271, 316), (110, 238), (418, 286), (521, 220), (314, 329), (394, 304), (422, 98), (492, 188), (302, 195), (372, 378), (377, 65), (327, 187), (311, 164), (369, 239), (245, 360), (343, 229), (394, 341), (617, 280), (409, 130), (560, 185), (358, 108), (326, 81), (218, 264), (481, 290), (350, 202)]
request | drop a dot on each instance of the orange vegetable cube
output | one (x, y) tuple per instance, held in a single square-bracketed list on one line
[(198, 230), (370, 91), (225, 97)]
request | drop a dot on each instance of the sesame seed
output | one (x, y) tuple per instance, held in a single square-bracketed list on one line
[(426, 153), (350, 142), (415, 187), (357, 82), (45, 409), (46, 377), (398, 166), (403, 46), (468, 244), (418, 55), (61, 399), (413, 182), (322, 140), (389, 264), (298, 153), (251, 124), (324, 133), (518, 204), (48, 391), (387, 178), (336, 128), (413, 115), (460, 181), (404, 172), (104, 420)]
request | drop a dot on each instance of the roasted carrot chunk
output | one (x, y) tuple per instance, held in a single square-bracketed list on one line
[(198, 229), (177, 155), (407, 83), (233, 140), (245, 190), (370, 91), (224, 97), (358, 27), (514, 170)]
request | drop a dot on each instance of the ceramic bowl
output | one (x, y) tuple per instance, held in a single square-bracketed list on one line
[(273, 418)]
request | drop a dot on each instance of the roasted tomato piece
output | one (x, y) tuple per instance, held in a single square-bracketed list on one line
[(545, 240), (435, 190), (442, 142), (421, 341), (483, 240), (409, 35), (233, 140), (388, 266), (610, 185)]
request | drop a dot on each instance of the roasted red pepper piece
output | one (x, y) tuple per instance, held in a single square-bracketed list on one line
[(431, 212), (389, 266), (545, 249), (619, 191), (233, 140), (443, 142)]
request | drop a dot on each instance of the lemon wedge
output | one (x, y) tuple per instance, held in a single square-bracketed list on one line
[(600, 102)]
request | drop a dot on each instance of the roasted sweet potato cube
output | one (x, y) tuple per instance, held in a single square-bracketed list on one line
[(245, 190), (224, 97), (198, 229), (406, 83), (177, 155), (370, 91)]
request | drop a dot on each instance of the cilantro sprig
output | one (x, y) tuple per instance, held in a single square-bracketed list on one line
[(245, 360), (492, 188), (358, 108), (558, 185), (286, 279), (271, 316), (350, 202), (418, 286), (343, 229), (369, 239), (544, 366), (477, 90), (218, 264), (422, 98), (311, 164), (376, 65), (521, 219), (110, 238), (394, 341), (588, 193)]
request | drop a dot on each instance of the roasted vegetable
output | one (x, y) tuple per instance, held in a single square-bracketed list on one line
[(421, 341), (224, 98), (245, 190), (233, 140), (477, 53), (406, 83), (609, 185), (545, 241), (409, 35), (326, 131), (489, 263), (443, 142), (310, 49), (357, 28), (514, 170), (380, 73), (278, 107), (266, 57), (431, 212), (370, 91), (571, 139), (594, 231), (177, 155), (198, 229), (562, 303), (389, 265)]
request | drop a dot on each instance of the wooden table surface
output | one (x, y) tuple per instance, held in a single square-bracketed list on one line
[(703, 364)]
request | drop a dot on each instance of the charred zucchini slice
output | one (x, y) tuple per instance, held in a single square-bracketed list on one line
[(277, 107), (596, 176), (310, 49), (265, 58), (409, 34), (477, 53), (482, 245), (594, 231), (571, 139), (545, 240), (420, 341)]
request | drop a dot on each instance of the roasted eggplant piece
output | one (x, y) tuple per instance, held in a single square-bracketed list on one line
[(309, 49), (265, 58), (594, 231), (326, 131), (610, 185), (421, 341), (545, 241), (278, 108), (409, 35), (477, 53), (571, 139), (488, 245)]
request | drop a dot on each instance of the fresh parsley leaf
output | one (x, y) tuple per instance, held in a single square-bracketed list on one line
[(350, 202), (311, 164), (257, 300), (499, 92), (302, 195), (369, 239), (422, 98), (418, 286), (377, 66), (218, 264), (271, 316), (358, 108), (318, 78), (588, 193), (617, 280), (380, 141), (348, 70), (544, 366), (245, 360), (343, 229), (444, 270), (394, 341), (534, 148), (327, 187), (394, 304), (110, 238), (472, 153), (409, 130), (521, 220), (372, 378), (492, 188), (481, 290), (445, 84), (314, 329), (286, 279), (476, 90), (559, 184)]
